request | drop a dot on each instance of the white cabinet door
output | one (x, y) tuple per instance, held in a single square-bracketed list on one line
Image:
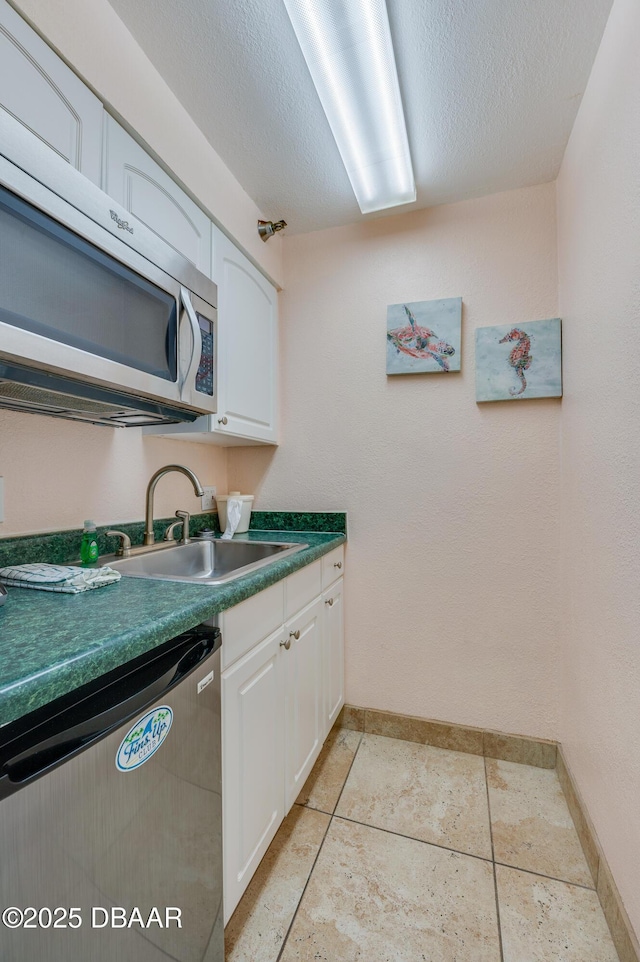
[(40, 91), (253, 762), (333, 654), (279, 701), (303, 725), (247, 345), (141, 186)]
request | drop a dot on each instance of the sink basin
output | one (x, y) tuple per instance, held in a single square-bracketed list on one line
[(208, 562)]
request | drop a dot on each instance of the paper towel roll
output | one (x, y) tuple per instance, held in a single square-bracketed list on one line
[(234, 512)]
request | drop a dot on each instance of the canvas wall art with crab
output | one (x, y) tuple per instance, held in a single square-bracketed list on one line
[(424, 337), (519, 361)]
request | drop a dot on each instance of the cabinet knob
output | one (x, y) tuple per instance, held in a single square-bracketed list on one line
[(329, 601), (223, 420), (294, 634), (338, 564), (286, 644)]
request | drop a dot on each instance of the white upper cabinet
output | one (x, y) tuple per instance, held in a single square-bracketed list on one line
[(247, 345), (247, 367), (143, 188), (42, 93)]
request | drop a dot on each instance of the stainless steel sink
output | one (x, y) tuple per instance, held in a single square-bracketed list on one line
[(209, 562)]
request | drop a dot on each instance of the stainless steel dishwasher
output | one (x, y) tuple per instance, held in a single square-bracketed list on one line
[(111, 816)]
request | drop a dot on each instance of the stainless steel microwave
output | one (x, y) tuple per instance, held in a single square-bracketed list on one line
[(100, 319)]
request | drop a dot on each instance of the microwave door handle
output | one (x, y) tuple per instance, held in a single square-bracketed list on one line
[(189, 378)]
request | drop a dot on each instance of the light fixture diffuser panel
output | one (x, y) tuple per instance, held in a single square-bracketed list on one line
[(348, 49)]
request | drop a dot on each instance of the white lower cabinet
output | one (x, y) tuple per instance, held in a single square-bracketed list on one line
[(253, 760), (304, 732), (280, 697), (333, 653)]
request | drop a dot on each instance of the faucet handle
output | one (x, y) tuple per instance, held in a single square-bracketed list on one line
[(124, 548), (169, 534)]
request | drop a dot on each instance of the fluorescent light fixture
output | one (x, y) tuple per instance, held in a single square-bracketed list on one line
[(348, 50)]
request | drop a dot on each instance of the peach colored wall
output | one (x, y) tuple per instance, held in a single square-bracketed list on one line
[(57, 473), (599, 292), (92, 38), (452, 606)]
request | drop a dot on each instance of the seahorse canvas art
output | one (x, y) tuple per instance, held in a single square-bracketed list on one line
[(519, 361), (423, 337)]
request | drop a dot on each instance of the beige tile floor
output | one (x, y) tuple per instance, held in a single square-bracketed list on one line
[(400, 852)]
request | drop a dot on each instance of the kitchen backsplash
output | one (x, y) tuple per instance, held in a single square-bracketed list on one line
[(63, 547)]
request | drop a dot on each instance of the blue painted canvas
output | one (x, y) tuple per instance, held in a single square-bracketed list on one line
[(519, 361), (424, 337)]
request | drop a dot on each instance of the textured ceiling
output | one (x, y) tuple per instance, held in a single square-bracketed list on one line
[(490, 89)]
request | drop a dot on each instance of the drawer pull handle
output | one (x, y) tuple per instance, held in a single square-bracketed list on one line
[(286, 644), (223, 420), (294, 634), (338, 564), (329, 601)]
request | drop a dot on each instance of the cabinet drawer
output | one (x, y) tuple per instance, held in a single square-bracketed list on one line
[(332, 566), (301, 588), (249, 622)]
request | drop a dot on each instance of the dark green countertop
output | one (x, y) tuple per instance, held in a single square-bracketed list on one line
[(50, 644)]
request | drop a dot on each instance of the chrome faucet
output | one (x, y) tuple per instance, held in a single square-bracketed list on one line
[(160, 473)]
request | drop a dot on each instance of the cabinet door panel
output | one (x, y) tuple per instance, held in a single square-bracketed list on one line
[(333, 651), (247, 342), (143, 188), (253, 764), (303, 734), (40, 91)]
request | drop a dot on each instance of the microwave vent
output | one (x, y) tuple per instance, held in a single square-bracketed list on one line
[(30, 390), (28, 396)]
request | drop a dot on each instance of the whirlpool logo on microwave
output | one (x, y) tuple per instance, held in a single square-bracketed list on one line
[(122, 224), (144, 739)]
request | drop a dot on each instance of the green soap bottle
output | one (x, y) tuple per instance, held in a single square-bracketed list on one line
[(89, 544)]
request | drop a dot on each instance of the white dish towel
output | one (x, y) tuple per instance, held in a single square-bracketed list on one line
[(63, 578)]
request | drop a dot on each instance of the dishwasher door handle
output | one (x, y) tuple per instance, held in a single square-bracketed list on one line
[(101, 714)]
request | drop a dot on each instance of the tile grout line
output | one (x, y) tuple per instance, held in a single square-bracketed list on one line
[(486, 788), (552, 878), (456, 851), (412, 838), (295, 914), (444, 848), (493, 860), (347, 776), (320, 847)]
